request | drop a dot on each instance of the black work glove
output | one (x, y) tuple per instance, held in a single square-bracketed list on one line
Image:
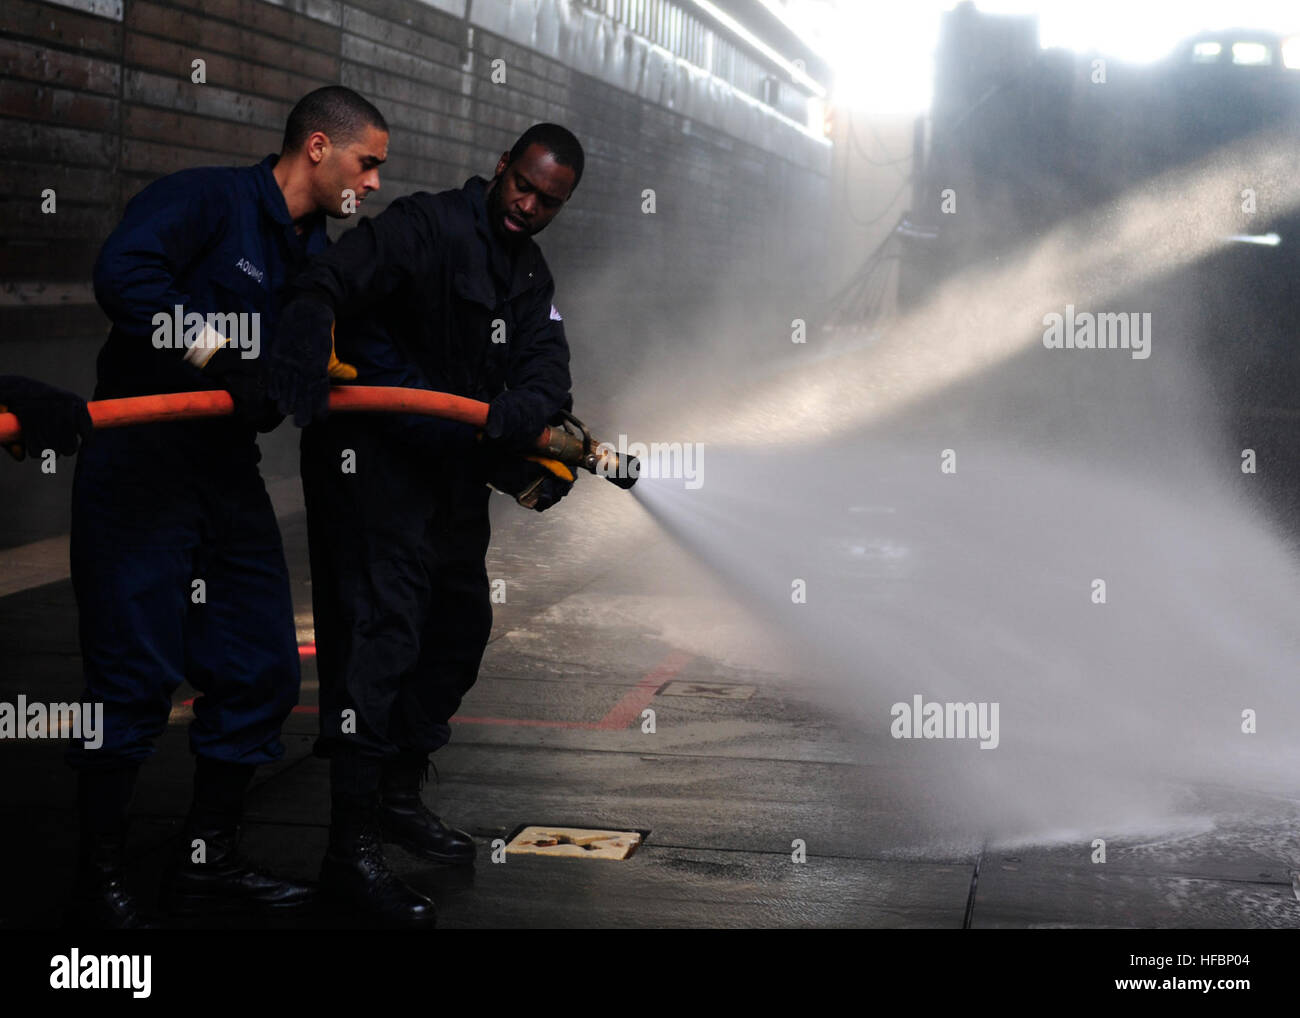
[(298, 376), (245, 380), (516, 418), (535, 483), (51, 418)]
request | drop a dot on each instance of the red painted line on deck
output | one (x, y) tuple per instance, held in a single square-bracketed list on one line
[(524, 722), (624, 713), (628, 710)]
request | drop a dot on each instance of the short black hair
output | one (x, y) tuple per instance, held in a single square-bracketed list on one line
[(334, 110), (557, 140)]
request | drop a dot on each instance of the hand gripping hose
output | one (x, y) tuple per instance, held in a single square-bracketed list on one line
[(570, 443)]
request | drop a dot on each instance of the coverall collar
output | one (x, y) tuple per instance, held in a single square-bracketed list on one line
[(274, 205), (517, 269)]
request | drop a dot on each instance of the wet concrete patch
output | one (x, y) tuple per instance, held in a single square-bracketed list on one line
[(692, 888)]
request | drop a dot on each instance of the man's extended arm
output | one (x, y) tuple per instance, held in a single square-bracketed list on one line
[(537, 389), (163, 229), (139, 272), (367, 264), (537, 375)]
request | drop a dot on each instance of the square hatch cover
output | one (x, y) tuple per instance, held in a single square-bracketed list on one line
[(576, 842), (716, 690)]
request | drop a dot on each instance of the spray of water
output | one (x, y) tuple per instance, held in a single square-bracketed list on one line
[(979, 585)]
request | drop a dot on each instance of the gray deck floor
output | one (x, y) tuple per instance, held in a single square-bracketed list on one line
[(723, 787)]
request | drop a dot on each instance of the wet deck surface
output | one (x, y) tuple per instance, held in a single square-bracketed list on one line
[(724, 788)]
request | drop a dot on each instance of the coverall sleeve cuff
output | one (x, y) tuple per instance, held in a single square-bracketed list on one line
[(205, 345)]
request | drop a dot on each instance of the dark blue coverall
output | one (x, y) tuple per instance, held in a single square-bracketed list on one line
[(399, 582), (158, 506)]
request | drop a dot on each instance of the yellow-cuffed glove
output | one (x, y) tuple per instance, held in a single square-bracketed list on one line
[(339, 370), (559, 469), (534, 481)]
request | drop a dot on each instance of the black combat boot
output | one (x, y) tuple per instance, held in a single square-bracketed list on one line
[(208, 873), (354, 871), (405, 820), (100, 899)]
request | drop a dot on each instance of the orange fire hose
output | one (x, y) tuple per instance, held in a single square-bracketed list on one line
[(217, 403), (554, 445), (175, 406)]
